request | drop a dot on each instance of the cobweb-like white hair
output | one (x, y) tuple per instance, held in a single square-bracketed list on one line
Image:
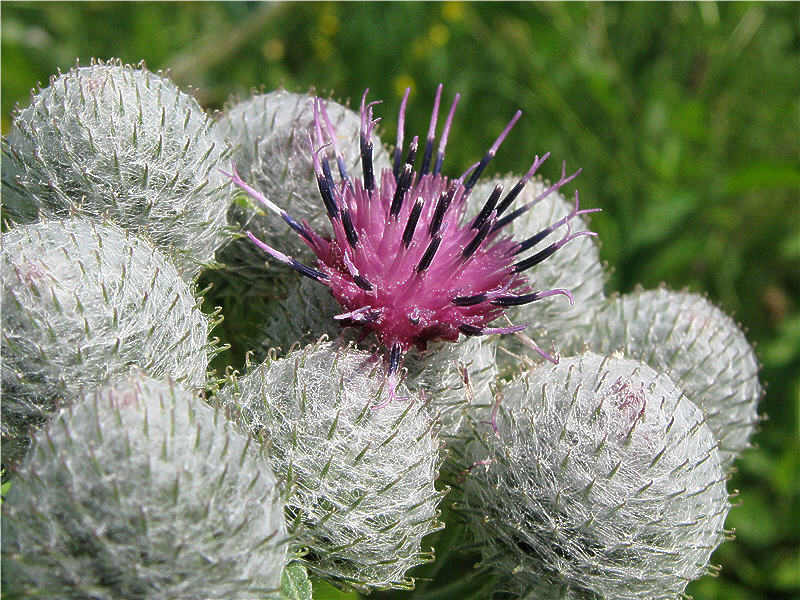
[(601, 481)]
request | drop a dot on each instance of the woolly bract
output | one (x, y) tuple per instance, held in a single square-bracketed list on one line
[(698, 346), (82, 301), (362, 477), (143, 491), (307, 313), (111, 139), (272, 152), (602, 481), (575, 267)]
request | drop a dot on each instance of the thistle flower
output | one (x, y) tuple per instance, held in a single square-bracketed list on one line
[(403, 259)]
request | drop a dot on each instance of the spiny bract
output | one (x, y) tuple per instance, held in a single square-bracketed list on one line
[(363, 479), (268, 132), (82, 301), (143, 491), (111, 139), (698, 346), (601, 478)]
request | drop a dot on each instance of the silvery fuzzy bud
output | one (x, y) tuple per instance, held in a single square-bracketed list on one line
[(452, 376), (82, 301), (143, 491), (273, 154), (699, 347), (601, 481), (362, 477), (111, 139), (575, 267)]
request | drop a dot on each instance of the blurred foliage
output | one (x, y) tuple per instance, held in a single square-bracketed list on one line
[(683, 117)]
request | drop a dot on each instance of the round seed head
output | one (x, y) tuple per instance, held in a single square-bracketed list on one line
[(143, 491), (699, 347), (362, 478), (82, 301), (601, 478), (111, 139)]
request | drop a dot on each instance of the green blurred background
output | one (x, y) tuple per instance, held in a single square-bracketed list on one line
[(684, 118)]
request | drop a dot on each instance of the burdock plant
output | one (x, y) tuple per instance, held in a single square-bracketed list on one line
[(595, 470)]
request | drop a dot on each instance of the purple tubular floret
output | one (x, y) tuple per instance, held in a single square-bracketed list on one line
[(401, 119), (411, 225), (430, 252), (349, 230), (490, 154), (488, 207), (437, 167), (426, 158), (520, 185)]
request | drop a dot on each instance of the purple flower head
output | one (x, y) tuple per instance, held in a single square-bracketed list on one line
[(403, 258)]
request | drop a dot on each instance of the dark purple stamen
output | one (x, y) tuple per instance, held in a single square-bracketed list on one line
[(442, 204), (412, 151), (533, 240), (563, 180), (515, 191), (490, 154), (430, 252), (470, 248), (488, 207), (395, 354), (327, 196), (516, 300), (349, 230), (403, 183), (411, 225), (366, 163), (361, 282), (536, 258), (469, 300)]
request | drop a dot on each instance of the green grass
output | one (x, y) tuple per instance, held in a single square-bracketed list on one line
[(684, 118)]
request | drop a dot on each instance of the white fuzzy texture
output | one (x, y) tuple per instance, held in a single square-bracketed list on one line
[(454, 377), (698, 346), (143, 491), (576, 267), (602, 482), (120, 141), (82, 301), (273, 154), (363, 478), (306, 314)]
